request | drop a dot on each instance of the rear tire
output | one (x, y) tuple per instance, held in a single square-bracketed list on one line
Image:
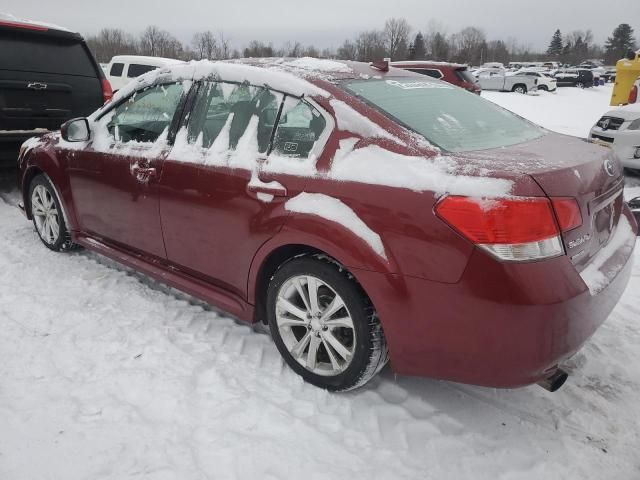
[(519, 88), (333, 349), (580, 85), (48, 217)]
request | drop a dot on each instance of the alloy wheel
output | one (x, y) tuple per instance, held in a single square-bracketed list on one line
[(45, 214), (315, 325)]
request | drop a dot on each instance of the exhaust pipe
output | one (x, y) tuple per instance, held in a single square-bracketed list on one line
[(554, 381)]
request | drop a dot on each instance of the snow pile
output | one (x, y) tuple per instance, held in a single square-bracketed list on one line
[(599, 273), (378, 166), (336, 211), (316, 64)]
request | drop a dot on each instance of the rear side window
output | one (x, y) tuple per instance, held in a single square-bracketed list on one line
[(116, 69), (224, 112), (135, 70), (465, 75), (433, 73), (30, 53), (300, 127), (147, 114)]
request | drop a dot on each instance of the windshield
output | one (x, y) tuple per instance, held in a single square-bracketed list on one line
[(447, 116)]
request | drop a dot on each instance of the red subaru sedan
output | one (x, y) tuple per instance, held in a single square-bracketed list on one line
[(364, 213)]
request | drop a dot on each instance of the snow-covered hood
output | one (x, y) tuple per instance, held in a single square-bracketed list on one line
[(628, 112)]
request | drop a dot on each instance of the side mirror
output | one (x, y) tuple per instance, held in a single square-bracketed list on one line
[(76, 130)]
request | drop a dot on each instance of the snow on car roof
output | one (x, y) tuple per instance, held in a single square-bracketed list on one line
[(9, 18), (144, 58)]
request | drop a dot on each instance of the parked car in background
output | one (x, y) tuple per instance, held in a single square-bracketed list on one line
[(574, 77), (123, 68), (47, 76), (453, 73), (545, 82), (304, 193), (609, 74), (620, 129), (490, 80)]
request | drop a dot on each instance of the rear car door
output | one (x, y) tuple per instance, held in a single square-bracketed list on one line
[(114, 181), (220, 198)]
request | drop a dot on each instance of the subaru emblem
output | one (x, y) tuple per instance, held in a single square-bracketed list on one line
[(609, 167)]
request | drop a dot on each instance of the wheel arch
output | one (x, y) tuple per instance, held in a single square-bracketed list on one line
[(277, 251)]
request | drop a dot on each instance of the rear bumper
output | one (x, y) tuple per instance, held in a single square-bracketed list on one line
[(501, 325)]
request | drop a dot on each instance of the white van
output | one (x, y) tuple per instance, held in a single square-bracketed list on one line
[(123, 68)]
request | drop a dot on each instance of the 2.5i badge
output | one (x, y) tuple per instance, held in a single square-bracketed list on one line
[(579, 241)]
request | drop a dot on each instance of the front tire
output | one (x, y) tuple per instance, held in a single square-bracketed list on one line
[(543, 88), (324, 325), (47, 215)]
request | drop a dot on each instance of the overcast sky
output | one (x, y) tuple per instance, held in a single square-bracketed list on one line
[(327, 23)]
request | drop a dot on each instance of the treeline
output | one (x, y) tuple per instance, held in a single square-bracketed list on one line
[(397, 40)]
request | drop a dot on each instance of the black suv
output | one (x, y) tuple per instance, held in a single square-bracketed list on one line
[(47, 76), (574, 77)]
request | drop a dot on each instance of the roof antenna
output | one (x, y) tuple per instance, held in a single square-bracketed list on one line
[(382, 65)]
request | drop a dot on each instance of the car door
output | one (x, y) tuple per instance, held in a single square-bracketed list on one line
[(492, 80), (220, 196), (114, 180)]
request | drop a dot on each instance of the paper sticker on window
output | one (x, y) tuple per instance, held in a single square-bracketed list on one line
[(290, 147), (418, 84)]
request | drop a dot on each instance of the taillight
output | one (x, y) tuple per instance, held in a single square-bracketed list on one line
[(107, 93), (567, 213), (633, 96), (511, 229)]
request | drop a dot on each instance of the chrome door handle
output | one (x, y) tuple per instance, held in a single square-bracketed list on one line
[(143, 172), (276, 191)]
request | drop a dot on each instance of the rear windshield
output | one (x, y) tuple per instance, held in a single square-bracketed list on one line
[(30, 53), (465, 75), (449, 117), (135, 70)]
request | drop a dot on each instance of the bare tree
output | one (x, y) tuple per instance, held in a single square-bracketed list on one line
[(205, 45), (470, 44), (347, 51), (370, 46), (396, 33), (160, 43), (224, 46), (110, 42)]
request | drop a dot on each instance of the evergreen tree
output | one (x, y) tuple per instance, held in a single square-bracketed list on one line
[(619, 43), (419, 49), (555, 47)]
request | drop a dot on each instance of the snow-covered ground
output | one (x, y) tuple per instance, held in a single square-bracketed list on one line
[(106, 374), (569, 110)]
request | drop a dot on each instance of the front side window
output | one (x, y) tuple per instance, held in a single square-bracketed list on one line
[(447, 116), (299, 128), (135, 70), (146, 115), (224, 112), (116, 69)]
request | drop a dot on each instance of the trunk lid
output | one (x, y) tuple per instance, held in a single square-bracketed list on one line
[(565, 166)]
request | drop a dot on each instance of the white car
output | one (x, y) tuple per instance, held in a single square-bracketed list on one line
[(123, 68), (620, 129), (545, 82)]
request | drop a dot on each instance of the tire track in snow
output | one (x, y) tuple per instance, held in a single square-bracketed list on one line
[(135, 366)]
